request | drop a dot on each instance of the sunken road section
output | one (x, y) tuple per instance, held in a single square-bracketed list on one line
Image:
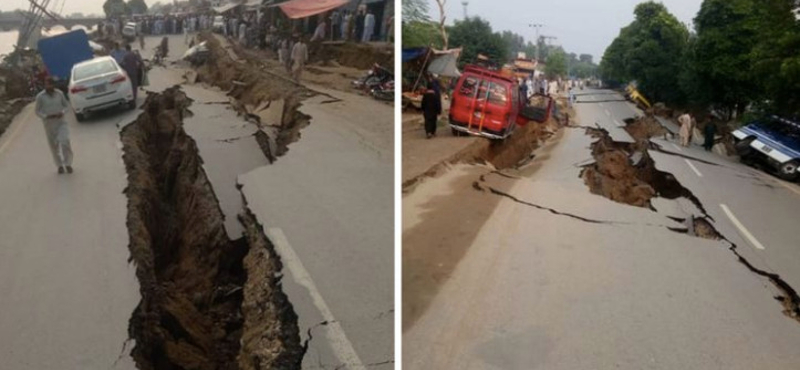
[(207, 302)]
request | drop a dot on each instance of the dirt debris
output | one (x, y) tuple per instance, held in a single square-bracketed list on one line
[(251, 87), (202, 294), (625, 173), (513, 151), (644, 128)]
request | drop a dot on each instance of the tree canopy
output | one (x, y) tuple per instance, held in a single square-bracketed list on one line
[(115, 8), (137, 6), (742, 54), (649, 50), (475, 35)]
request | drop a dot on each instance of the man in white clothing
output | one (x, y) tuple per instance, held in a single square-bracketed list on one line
[(50, 107), (299, 58), (369, 26)]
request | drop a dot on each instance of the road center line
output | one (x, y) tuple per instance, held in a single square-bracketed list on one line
[(693, 168), (341, 345), (608, 113), (677, 147), (742, 230)]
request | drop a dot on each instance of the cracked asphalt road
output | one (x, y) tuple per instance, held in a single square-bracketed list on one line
[(68, 291), (539, 290)]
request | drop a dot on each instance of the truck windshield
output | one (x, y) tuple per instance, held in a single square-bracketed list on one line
[(93, 69)]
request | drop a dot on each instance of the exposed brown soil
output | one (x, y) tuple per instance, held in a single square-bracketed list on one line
[(252, 87), (202, 294), (625, 173), (360, 56), (504, 154), (644, 128)]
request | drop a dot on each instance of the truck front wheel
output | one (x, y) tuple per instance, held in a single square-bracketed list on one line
[(788, 170)]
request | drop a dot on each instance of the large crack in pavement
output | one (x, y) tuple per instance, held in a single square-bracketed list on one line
[(624, 172), (207, 302)]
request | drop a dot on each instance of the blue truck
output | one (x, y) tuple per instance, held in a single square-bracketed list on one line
[(774, 141), (59, 53)]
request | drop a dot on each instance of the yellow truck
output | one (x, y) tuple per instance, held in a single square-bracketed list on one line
[(636, 97)]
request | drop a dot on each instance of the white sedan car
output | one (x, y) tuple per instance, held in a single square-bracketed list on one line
[(98, 84)]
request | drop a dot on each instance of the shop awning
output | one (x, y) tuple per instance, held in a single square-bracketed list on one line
[(445, 63), (413, 53), (295, 9)]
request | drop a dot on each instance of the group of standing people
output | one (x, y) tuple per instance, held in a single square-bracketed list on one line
[(688, 124)]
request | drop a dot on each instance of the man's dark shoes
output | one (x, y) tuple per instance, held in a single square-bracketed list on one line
[(60, 170)]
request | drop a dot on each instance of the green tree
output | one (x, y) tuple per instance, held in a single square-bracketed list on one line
[(556, 64), (475, 35), (726, 35), (775, 57), (115, 8), (586, 58), (649, 50), (137, 6)]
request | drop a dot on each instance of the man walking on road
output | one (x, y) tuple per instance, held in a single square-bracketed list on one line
[(299, 58), (50, 107), (686, 128)]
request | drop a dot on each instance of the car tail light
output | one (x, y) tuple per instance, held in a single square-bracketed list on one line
[(77, 89), (118, 79)]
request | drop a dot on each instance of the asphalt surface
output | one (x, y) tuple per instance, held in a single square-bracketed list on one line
[(543, 290), (68, 290)]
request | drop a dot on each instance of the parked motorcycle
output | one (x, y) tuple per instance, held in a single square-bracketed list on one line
[(384, 91), (375, 77)]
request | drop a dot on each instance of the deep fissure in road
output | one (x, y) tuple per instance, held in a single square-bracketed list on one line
[(625, 173), (207, 302)]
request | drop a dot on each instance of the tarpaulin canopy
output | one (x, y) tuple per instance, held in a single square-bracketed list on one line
[(445, 65), (295, 9), (225, 8), (413, 53)]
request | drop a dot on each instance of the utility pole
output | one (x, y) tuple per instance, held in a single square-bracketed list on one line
[(465, 3), (536, 40)]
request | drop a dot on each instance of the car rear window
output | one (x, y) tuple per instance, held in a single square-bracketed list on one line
[(94, 69), (498, 93)]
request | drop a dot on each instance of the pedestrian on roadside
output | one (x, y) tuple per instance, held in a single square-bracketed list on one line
[(283, 54), (686, 128), (346, 26), (570, 97), (117, 53), (319, 33), (523, 92), (709, 132), (431, 109), (132, 64), (50, 107), (336, 25), (243, 34), (369, 26), (299, 58), (359, 26)]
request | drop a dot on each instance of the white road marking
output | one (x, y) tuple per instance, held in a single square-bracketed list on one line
[(742, 230), (618, 123), (693, 168), (677, 147), (601, 105), (608, 113), (341, 345)]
